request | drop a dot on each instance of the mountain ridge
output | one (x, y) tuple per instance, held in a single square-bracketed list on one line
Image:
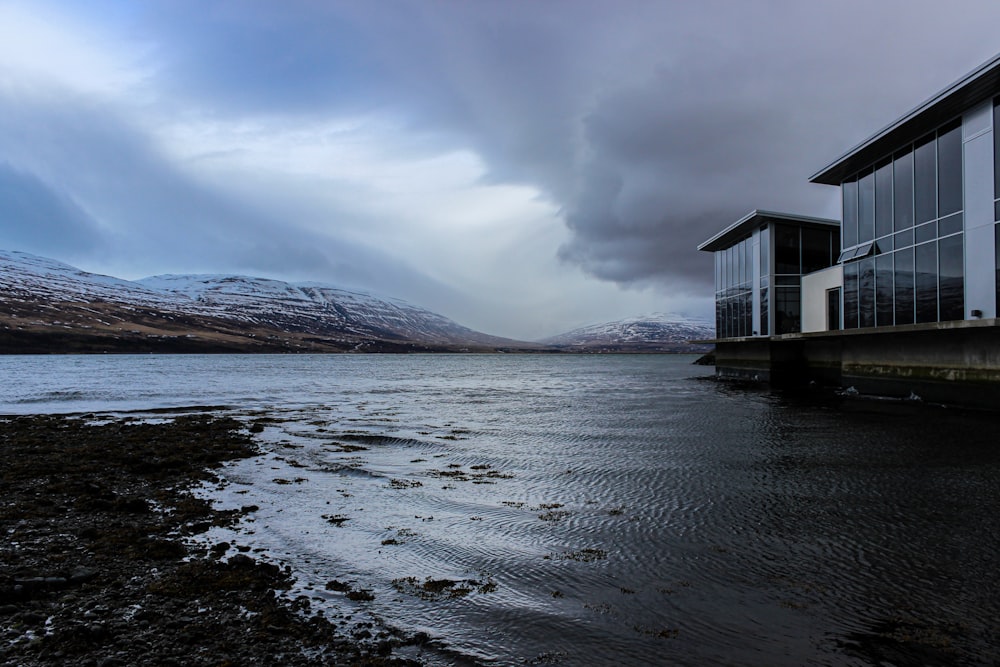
[(51, 306), (657, 332)]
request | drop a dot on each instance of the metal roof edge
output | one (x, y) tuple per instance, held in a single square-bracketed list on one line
[(920, 109), (761, 214)]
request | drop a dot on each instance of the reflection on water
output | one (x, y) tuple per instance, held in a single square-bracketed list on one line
[(598, 510)]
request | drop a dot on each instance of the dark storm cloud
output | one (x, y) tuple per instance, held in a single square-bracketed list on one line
[(116, 176), (650, 125), (241, 58), (150, 210), (38, 219)]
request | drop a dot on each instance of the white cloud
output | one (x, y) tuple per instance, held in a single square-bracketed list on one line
[(39, 46), (413, 196)]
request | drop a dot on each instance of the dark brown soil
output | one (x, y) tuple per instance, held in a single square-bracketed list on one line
[(95, 568)]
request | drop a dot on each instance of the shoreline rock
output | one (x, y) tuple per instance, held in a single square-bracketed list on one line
[(96, 568)]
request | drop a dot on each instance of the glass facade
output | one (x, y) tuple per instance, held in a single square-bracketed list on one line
[(996, 195), (734, 290), (798, 250), (765, 280), (902, 234), (785, 252)]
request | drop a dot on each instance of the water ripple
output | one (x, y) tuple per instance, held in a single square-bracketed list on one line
[(612, 509)]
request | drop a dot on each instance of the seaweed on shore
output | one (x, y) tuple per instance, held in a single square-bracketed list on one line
[(95, 567)]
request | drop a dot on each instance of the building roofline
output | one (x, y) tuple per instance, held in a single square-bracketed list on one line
[(747, 223), (975, 87)]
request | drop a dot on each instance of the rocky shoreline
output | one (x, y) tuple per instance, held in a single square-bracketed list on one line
[(97, 568)]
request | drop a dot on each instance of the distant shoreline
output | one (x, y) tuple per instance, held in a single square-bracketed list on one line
[(74, 342)]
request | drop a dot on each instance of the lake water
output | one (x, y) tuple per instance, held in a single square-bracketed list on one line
[(588, 510)]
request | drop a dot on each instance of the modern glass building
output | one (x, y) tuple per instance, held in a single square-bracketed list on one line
[(901, 296), (759, 263), (921, 201)]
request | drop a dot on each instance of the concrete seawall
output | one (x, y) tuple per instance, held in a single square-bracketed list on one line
[(947, 362)]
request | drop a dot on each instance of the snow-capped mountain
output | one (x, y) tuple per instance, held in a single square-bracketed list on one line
[(46, 299), (30, 278), (312, 308), (658, 332)]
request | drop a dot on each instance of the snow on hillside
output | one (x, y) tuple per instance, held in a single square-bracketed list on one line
[(655, 329), (301, 306), (306, 307), (29, 277)]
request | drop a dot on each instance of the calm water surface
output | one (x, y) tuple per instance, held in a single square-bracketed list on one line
[(593, 509)]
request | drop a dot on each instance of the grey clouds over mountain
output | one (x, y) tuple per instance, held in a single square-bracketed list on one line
[(523, 168)]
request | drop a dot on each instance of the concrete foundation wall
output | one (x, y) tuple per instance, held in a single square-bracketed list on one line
[(745, 359), (956, 363)]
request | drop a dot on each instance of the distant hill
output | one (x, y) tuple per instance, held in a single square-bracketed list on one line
[(653, 333), (48, 306)]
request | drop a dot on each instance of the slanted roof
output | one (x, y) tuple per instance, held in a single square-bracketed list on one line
[(978, 86), (745, 226)]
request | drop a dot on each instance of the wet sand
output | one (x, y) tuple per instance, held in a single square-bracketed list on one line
[(97, 568)]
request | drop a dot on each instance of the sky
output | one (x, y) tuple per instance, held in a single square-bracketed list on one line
[(522, 167)]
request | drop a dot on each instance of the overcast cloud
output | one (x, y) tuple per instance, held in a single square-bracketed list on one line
[(521, 167)]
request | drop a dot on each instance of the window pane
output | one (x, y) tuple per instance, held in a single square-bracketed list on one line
[(884, 310), (925, 181), (902, 192), (765, 249), (729, 267), (866, 292), (903, 239), (866, 207), (815, 249), (851, 295), (738, 264), (734, 316), (950, 225), (925, 232), (788, 306), (764, 314), (786, 249), (951, 275), (883, 199), (903, 283), (738, 316), (950, 169), (748, 314), (728, 315), (850, 226), (747, 261), (925, 274), (738, 251)]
